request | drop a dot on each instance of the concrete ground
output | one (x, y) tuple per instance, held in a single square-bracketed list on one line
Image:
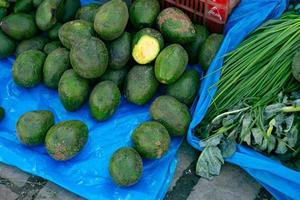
[(233, 183)]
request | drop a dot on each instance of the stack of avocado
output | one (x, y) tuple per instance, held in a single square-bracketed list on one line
[(97, 53)]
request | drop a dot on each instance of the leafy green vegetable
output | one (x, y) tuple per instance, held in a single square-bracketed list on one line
[(210, 162)]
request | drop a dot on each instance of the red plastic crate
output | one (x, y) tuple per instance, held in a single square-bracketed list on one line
[(212, 13)]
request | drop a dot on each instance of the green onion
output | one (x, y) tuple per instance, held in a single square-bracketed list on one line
[(259, 68)]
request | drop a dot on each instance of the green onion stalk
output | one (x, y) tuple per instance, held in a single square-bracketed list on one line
[(259, 69)]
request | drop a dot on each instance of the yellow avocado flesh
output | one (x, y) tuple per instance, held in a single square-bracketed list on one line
[(146, 50)]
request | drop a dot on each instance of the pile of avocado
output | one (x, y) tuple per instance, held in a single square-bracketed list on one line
[(96, 53), (63, 141)]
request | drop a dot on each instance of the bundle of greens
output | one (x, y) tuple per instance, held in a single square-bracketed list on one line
[(243, 108)]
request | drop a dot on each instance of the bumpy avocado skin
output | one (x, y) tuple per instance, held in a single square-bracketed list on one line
[(209, 49), (151, 140), (47, 14), (33, 126), (126, 166), (193, 47), (70, 9), (66, 139), (140, 84), (35, 43), (51, 46), (3, 13), (176, 26), (19, 26), (36, 3), (74, 31), (143, 13), (73, 90), (104, 100), (186, 88), (119, 51), (88, 12), (53, 32), (7, 45), (23, 6), (115, 75), (111, 19), (28, 68), (171, 63), (56, 63), (89, 58), (175, 116)]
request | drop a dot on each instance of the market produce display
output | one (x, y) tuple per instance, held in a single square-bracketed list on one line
[(257, 100), (96, 54)]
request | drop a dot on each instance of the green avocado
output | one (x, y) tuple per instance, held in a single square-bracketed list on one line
[(23, 6), (19, 26), (126, 166), (140, 84), (7, 45), (185, 88), (146, 45), (47, 13), (174, 115), (28, 68), (151, 140), (66, 139), (104, 100), (32, 127), (2, 113), (53, 32), (73, 90), (3, 13), (74, 31), (5, 3), (36, 3), (119, 51), (51, 46), (56, 63), (115, 75), (176, 26), (111, 19), (209, 49), (143, 13), (170, 64), (88, 12), (193, 47), (35, 43), (70, 9), (89, 57)]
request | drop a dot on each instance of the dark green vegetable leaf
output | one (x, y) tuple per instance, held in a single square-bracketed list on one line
[(212, 141), (209, 163), (228, 147)]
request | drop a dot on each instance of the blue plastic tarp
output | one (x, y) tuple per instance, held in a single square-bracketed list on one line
[(281, 181), (87, 174)]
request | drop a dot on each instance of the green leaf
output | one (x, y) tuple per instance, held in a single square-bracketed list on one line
[(228, 147), (212, 141), (258, 136), (292, 136), (209, 163), (245, 135), (272, 110), (289, 121), (281, 146)]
